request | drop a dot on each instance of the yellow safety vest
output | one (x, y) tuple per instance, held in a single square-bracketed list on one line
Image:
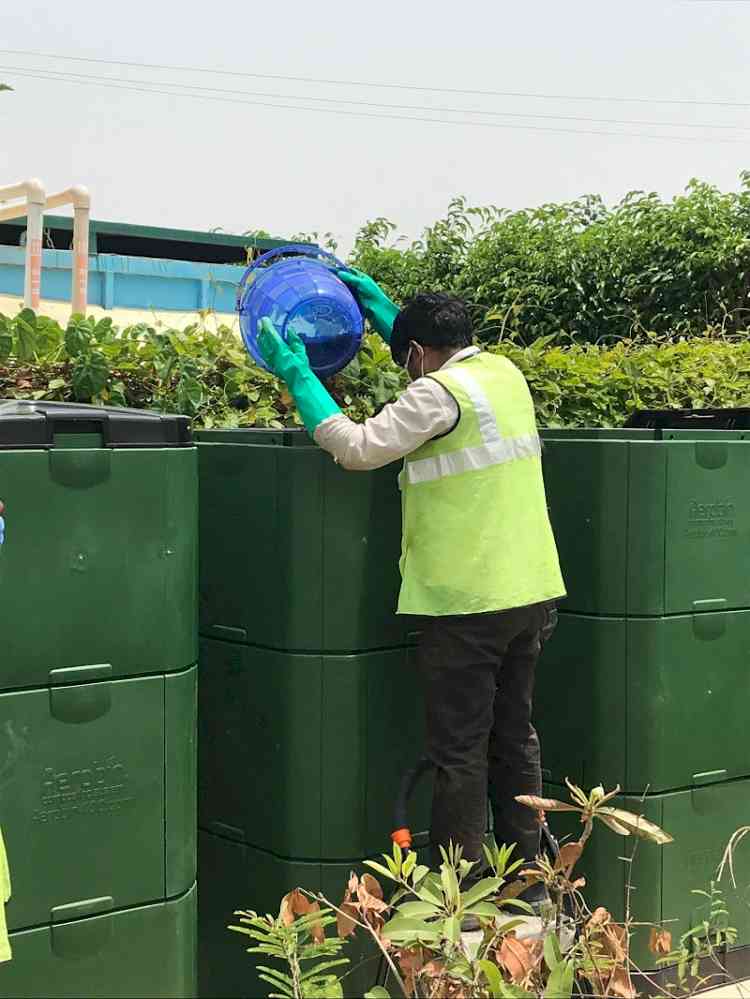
[(5, 952), (476, 532)]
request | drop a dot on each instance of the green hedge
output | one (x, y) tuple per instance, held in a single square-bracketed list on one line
[(204, 371), (591, 272)]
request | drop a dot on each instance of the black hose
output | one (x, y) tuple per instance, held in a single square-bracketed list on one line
[(406, 788)]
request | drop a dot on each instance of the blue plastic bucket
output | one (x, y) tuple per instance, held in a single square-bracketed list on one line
[(296, 287)]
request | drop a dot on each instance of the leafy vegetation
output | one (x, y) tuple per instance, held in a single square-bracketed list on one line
[(605, 310), (419, 926), (592, 273), (296, 940), (204, 371)]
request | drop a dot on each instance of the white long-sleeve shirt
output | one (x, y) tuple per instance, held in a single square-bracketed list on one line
[(425, 410)]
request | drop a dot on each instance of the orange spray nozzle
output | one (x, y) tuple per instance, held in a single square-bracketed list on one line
[(402, 837)]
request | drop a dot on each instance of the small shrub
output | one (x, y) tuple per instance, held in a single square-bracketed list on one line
[(204, 371)]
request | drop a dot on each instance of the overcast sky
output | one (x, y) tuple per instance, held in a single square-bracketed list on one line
[(193, 163)]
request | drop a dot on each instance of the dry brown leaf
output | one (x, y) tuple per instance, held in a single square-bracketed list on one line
[(296, 903), (372, 885), (513, 890), (370, 895), (616, 942), (516, 957), (545, 804), (411, 961), (285, 912), (346, 919), (613, 824), (434, 968), (660, 942), (570, 854), (621, 986), (599, 917), (531, 876), (449, 989), (639, 825), (613, 939)]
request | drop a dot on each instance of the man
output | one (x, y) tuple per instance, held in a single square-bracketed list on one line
[(479, 564)]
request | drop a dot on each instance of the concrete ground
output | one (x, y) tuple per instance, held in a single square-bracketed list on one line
[(739, 991)]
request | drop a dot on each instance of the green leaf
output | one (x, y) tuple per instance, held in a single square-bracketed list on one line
[(383, 871), (324, 966), (409, 864), (77, 337), (26, 337), (103, 329), (482, 889), (430, 890), (449, 882), (6, 338), (404, 931), (494, 979), (378, 993), (517, 903), (418, 910), (452, 929), (483, 910), (560, 982), (286, 990), (90, 374), (328, 988), (282, 979), (420, 871), (552, 953)]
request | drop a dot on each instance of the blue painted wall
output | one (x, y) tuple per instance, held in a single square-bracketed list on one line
[(129, 282)]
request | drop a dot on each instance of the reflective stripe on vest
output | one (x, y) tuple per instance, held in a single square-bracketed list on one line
[(494, 449)]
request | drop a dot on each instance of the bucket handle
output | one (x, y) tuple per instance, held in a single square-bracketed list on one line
[(303, 249)]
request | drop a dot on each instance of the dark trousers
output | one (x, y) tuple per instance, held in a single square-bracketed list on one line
[(478, 676)]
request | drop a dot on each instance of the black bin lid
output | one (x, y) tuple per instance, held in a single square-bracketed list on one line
[(691, 419), (286, 437), (26, 424)]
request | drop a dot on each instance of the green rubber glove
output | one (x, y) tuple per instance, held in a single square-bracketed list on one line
[(289, 362), (373, 301)]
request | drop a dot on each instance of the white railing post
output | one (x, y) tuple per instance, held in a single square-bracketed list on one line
[(33, 209), (80, 250), (33, 279), (35, 195), (81, 200)]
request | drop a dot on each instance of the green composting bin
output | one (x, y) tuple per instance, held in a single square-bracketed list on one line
[(136, 953), (310, 705), (297, 554), (650, 522), (301, 755), (651, 704), (645, 683), (98, 700), (99, 564), (235, 876)]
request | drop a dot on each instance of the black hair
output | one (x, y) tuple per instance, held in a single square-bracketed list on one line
[(432, 320)]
